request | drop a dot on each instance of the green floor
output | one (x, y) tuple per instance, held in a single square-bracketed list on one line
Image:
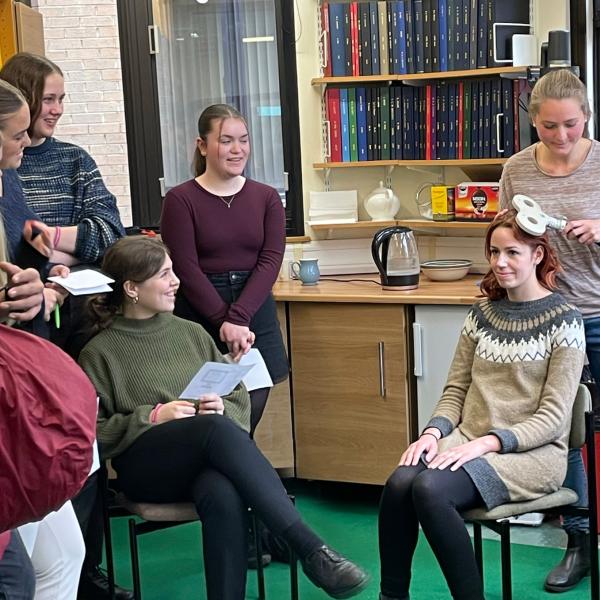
[(346, 516)]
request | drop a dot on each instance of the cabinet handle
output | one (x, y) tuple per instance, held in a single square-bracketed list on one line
[(499, 116), (418, 349), (381, 350), (153, 39)]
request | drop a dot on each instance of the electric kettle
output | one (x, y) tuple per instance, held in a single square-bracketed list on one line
[(394, 251)]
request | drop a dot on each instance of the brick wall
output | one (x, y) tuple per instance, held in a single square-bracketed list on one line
[(82, 37)]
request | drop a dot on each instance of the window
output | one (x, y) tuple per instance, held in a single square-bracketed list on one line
[(180, 56)]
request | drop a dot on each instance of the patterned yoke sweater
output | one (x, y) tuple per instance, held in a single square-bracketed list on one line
[(136, 364), (514, 375)]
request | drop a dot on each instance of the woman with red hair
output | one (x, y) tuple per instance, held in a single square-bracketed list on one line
[(500, 430)]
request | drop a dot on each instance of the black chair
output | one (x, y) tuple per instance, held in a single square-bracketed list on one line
[(497, 519), (145, 517)]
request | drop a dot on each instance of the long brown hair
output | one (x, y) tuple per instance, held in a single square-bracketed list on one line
[(28, 73), (206, 123), (134, 258), (545, 271)]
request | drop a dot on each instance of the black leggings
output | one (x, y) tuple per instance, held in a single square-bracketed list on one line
[(258, 403), (211, 461), (434, 498)]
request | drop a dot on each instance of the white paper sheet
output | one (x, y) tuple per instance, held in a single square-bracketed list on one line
[(259, 376), (86, 281), (218, 378)]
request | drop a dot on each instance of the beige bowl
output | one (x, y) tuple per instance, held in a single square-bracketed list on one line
[(446, 270)]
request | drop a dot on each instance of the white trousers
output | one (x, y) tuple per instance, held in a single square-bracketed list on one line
[(56, 548)]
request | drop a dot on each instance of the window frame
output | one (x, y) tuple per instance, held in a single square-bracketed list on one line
[(142, 118)]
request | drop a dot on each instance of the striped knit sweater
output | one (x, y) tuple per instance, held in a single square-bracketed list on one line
[(514, 375), (575, 196), (64, 187), (137, 363)]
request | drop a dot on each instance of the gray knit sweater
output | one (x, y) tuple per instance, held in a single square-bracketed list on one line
[(575, 196), (514, 375), (137, 363)]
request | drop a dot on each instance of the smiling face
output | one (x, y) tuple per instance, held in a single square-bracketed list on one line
[(226, 148), (15, 138), (560, 125), (51, 109), (514, 264), (155, 295)]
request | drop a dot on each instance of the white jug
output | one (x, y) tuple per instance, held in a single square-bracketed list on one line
[(382, 204)]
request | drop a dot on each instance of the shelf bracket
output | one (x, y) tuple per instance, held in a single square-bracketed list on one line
[(327, 180), (388, 176)]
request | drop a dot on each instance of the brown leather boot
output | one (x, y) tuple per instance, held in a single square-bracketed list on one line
[(574, 566)]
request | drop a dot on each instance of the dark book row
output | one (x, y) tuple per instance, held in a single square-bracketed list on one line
[(479, 118), (418, 36)]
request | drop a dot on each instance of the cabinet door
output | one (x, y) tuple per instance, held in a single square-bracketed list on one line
[(350, 394)]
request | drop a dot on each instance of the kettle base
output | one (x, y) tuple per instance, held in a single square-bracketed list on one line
[(399, 288)]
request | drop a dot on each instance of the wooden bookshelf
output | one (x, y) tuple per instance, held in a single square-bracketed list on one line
[(416, 224), (465, 162), (511, 72)]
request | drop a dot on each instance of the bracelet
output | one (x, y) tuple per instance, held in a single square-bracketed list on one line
[(57, 232), (154, 413), (431, 434)]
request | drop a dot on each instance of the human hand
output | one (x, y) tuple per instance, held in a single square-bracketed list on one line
[(176, 409), (52, 299), (210, 404), (500, 213), (24, 296), (59, 271), (239, 339), (40, 236), (586, 231), (428, 442), (456, 457)]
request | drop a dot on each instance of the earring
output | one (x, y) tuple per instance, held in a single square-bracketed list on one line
[(135, 299)]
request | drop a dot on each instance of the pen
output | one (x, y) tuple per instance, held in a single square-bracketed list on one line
[(57, 316)]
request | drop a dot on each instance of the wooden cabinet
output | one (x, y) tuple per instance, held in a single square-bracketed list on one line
[(349, 379), (274, 432), (21, 30)]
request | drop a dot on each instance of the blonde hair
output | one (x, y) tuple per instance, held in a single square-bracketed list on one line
[(560, 84)]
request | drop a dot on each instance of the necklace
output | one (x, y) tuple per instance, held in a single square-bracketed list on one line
[(228, 204)]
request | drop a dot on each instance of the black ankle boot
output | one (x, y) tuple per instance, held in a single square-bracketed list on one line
[(336, 575), (93, 585), (573, 567)]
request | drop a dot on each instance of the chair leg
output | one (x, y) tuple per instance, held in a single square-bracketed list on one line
[(260, 573), (505, 558), (135, 563), (294, 594), (478, 547), (592, 470), (110, 566)]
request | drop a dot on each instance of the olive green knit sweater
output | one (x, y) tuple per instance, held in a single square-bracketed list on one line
[(137, 363)]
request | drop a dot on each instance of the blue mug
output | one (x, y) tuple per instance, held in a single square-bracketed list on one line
[(307, 271)]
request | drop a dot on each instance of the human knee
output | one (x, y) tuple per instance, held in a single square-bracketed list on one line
[(215, 495), (400, 482), (427, 488)]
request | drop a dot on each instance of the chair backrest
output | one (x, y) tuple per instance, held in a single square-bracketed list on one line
[(582, 404)]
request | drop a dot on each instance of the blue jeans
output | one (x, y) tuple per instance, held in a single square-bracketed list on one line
[(17, 579), (576, 478)]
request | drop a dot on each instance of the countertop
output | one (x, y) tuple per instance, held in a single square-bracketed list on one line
[(361, 289)]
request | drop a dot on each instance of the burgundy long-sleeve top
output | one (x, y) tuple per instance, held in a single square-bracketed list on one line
[(205, 236)]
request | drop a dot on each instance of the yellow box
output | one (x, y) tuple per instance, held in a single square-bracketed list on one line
[(442, 202)]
